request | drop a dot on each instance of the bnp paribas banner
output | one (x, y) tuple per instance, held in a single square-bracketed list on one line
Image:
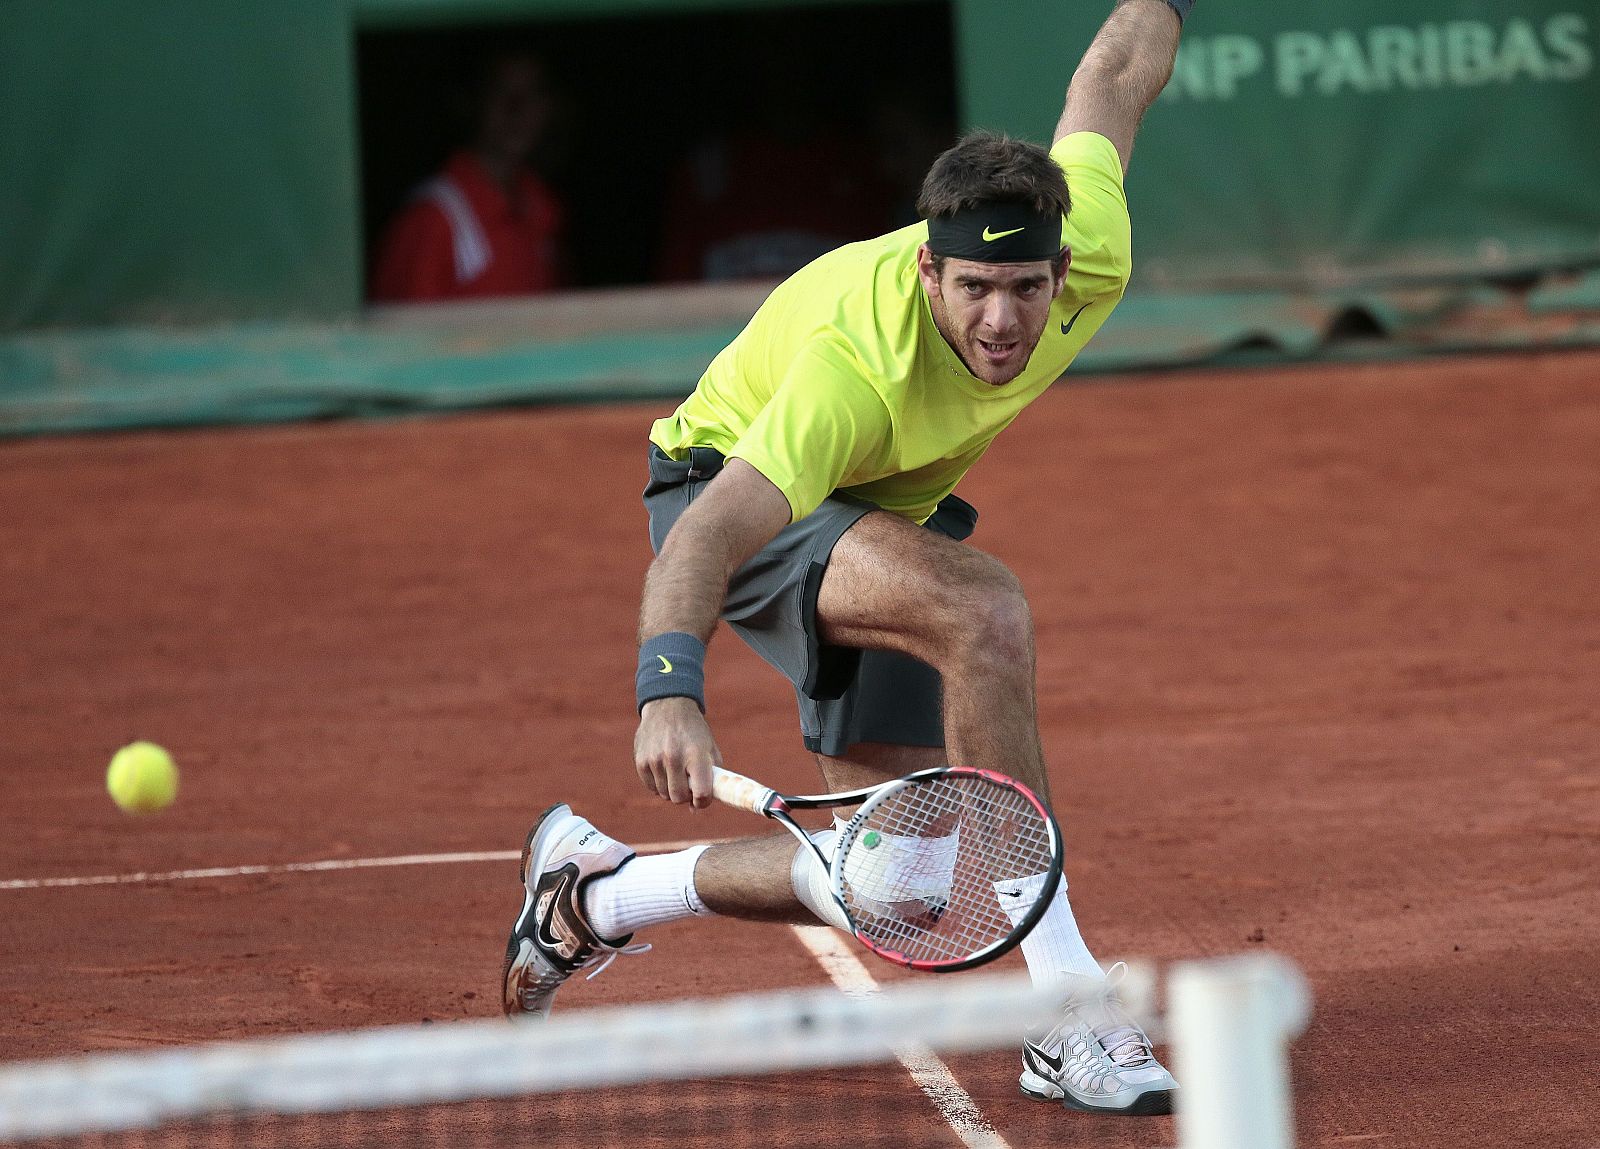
[(1308, 145)]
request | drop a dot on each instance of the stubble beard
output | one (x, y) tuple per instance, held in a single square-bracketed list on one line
[(966, 349)]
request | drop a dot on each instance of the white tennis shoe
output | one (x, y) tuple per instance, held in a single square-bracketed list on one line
[(552, 938), (1097, 1058)]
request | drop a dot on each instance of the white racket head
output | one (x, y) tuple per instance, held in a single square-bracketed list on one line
[(947, 868)]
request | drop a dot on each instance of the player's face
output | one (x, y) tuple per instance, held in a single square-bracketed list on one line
[(992, 314)]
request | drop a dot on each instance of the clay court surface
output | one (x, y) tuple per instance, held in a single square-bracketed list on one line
[(1319, 661)]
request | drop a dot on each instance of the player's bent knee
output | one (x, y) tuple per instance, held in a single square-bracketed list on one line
[(988, 623), (1003, 627), (960, 592)]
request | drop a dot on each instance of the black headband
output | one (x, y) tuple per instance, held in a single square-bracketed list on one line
[(996, 233)]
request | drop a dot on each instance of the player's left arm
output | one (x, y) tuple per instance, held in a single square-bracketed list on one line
[(1124, 70)]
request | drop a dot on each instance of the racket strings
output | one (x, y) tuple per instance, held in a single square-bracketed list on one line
[(922, 871)]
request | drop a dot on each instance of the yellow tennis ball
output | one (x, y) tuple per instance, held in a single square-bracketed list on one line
[(142, 778)]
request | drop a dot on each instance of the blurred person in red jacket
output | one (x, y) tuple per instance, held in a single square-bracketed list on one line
[(774, 186), (485, 225)]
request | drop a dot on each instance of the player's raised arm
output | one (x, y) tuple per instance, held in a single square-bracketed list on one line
[(1123, 71), (738, 513)]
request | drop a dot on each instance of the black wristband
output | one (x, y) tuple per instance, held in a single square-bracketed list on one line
[(671, 665), (1181, 7)]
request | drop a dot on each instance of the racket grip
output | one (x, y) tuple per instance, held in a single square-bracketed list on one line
[(736, 790)]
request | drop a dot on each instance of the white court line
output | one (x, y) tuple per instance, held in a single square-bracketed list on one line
[(303, 867), (931, 1074)]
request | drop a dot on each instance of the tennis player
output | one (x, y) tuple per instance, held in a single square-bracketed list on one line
[(804, 494)]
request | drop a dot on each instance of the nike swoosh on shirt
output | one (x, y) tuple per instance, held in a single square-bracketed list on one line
[(991, 236), (1066, 328)]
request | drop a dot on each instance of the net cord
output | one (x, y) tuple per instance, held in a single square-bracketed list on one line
[(417, 1065)]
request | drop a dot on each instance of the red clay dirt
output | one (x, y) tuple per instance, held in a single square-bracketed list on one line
[(1319, 654)]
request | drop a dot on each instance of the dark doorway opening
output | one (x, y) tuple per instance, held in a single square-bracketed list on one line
[(667, 135)]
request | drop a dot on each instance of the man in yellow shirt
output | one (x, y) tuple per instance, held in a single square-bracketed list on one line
[(804, 495)]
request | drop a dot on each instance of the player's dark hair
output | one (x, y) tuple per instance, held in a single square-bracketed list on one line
[(989, 167)]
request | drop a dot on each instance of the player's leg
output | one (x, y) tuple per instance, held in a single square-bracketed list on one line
[(751, 878), (760, 879), (585, 895), (874, 763), (893, 585), (891, 723), (1092, 1055)]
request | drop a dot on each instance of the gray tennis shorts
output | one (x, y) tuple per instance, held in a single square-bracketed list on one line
[(845, 695)]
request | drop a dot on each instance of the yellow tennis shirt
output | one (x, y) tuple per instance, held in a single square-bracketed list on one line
[(842, 382)]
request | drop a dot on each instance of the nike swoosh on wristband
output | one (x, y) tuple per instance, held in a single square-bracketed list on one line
[(1042, 1059), (990, 237), (666, 667)]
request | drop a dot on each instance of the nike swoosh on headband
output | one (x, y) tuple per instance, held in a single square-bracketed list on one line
[(990, 237)]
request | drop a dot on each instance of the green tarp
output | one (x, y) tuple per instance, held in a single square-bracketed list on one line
[(72, 381)]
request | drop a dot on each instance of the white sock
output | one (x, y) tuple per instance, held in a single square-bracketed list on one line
[(647, 891), (1054, 948)]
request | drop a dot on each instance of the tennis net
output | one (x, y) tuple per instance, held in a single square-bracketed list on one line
[(802, 1067)]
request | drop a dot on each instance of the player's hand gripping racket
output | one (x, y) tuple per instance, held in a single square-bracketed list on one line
[(940, 870)]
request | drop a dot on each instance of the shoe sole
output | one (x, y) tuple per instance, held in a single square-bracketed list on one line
[(1156, 1103), (518, 949)]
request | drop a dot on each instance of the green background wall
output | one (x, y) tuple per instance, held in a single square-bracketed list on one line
[(1301, 146), (185, 160), (188, 161)]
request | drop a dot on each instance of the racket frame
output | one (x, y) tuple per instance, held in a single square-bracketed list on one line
[(747, 794)]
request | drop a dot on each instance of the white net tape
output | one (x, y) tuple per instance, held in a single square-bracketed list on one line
[(420, 1065)]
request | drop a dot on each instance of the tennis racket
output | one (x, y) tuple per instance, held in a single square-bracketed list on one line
[(941, 870)]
